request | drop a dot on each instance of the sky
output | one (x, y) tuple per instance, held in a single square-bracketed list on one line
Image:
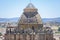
[(14, 8)]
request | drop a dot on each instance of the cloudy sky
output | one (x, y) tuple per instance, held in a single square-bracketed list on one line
[(14, 8)]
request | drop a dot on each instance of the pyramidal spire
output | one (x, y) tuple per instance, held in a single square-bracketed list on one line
[(30, 8), (30, 5)]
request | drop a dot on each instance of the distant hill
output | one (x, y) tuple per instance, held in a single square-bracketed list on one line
[(51, 19), (3, 19), (15, 19)]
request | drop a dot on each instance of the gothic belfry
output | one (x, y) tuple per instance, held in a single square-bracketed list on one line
[(30, 27)]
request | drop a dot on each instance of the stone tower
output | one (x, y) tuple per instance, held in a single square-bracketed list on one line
[(30, 18), (30, 27)]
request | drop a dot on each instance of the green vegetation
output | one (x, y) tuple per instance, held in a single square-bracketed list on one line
[(57, 32), (0, 34), (59, 29)]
